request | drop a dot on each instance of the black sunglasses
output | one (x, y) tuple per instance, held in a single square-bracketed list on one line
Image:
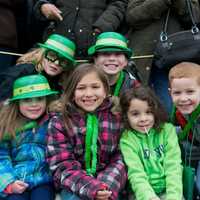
[(52, 56)]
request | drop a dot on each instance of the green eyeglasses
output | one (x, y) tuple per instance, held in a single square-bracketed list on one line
[(52, 56)]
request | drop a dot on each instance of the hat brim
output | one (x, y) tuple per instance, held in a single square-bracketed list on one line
[(34, 94), (92, 50), (72, 61)]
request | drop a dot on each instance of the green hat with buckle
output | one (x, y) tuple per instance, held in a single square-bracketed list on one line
[(62, 45), (31, 86), (110, 42)]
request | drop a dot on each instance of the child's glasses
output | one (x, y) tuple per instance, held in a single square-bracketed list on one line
[(55, 58)]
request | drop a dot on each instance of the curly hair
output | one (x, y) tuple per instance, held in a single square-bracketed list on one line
[(144, 94)]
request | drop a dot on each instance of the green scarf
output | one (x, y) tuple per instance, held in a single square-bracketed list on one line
[(119, 83), (91, 144)]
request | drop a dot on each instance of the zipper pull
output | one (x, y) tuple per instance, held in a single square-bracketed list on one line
[(34, 130)]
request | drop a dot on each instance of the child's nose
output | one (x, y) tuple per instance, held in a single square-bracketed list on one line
[(34, 102), (112, 56), (183, 97), (88, 92), (143, 117)]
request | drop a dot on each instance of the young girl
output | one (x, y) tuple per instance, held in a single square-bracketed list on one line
[(83, 149), (24, 173), (54, 59), (150, 148)]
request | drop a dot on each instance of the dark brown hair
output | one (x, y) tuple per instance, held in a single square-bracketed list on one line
[(144, 94)]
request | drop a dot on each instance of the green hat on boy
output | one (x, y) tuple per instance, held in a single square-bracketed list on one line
[(110, 42), (31, 86), (62, 45)]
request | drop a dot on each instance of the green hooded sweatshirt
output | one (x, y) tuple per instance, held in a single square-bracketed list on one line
[(154, 162)]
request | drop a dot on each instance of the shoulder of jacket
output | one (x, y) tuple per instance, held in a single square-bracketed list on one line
[(129, 74)]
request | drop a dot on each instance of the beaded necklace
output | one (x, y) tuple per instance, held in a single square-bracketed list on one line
[(27, 126), (187, 124)]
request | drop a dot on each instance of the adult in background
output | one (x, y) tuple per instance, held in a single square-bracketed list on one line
[(8, 31), (81, 20), (29, 29), (146, 19)]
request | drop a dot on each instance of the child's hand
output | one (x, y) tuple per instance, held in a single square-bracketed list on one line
[(18, 187), (103, 195)]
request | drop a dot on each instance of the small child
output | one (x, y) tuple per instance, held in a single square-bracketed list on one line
[(184, 79), (24, 172), (83, 142), (150, 148), (111, 54)]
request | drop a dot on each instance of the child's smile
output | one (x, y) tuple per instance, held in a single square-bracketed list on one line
[(32, 108), (140, 116), (185, 93), (111, 62), (89, 93)]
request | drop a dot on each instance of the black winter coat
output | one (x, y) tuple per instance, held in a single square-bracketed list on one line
[(8, 31), (81, 17)]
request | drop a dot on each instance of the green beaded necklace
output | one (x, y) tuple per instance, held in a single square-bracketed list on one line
[(119, 83), (193, 117), (27, 126), (91, 144)]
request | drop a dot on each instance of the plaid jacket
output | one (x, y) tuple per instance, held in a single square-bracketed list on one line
[(23, 158), (66, 149)]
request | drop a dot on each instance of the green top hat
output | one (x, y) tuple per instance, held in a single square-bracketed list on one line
[(110, 42), (62, 45), (31, 86)]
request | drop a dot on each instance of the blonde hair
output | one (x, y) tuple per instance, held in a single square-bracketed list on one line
[(10, 119), (35, 56), (184, 70)]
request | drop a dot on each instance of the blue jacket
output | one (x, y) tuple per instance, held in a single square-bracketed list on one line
[(23, 158)]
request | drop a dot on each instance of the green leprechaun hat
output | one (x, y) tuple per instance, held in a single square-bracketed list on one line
[(110, 42), (61, 45), (31, 86)]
